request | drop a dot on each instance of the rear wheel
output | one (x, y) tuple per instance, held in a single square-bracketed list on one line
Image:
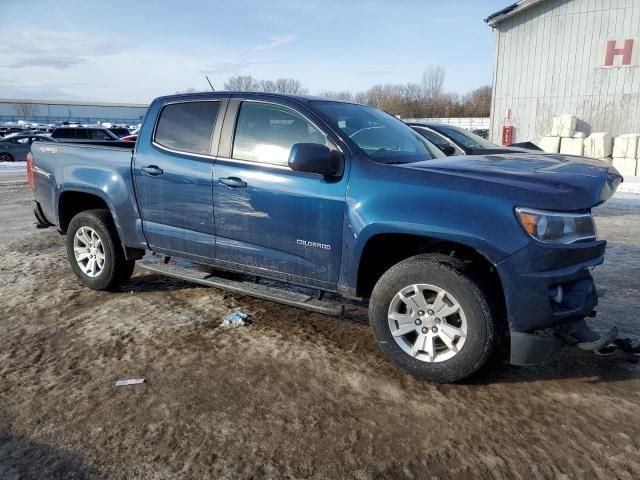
[(431, 319), (6, 157), (94, 251)]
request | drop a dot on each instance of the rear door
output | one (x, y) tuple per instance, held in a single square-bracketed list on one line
[(269, 219), (172, 171)]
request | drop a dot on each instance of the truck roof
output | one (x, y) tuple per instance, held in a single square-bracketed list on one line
[(297, 97)]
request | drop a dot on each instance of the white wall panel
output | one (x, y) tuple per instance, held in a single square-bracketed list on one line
[(548, 64)]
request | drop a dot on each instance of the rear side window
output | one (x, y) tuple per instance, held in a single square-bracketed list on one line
[(80, 134), (98, 134), (61, 133), (187, 127), (266, 132)]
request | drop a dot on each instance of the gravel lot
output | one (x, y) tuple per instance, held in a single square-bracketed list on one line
[(293, 395)]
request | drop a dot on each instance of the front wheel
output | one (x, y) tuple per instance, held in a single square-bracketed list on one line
[(94, 251), (431, 319), (5, 157)]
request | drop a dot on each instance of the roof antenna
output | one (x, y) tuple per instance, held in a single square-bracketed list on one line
[(210, 84)]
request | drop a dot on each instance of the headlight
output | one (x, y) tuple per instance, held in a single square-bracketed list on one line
[(557, 227)]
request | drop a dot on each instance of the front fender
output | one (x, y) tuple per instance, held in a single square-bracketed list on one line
[(385, 199)]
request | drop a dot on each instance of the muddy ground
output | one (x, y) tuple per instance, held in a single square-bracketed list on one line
[(293, 395)]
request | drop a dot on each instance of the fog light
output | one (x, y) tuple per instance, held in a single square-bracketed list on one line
[(556, 293)]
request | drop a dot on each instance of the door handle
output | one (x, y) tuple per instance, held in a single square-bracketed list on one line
[(152, 170), (233, 182)]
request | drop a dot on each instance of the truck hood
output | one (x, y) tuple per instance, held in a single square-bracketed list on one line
[(542, 180)]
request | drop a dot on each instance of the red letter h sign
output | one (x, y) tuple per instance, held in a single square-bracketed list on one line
[(613, 52)]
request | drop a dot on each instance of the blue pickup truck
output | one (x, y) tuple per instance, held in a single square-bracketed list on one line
[(457, 257)]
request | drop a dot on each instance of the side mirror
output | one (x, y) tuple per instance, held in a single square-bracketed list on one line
[(447, 149), (316, 158)]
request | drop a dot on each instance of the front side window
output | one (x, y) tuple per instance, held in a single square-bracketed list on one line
[(466, 138), (266, 132), (383, 138), (187, 126)]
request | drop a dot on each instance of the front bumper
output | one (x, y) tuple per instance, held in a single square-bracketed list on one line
[(530, 276)]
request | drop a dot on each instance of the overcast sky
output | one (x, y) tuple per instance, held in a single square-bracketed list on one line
[(137, 50)]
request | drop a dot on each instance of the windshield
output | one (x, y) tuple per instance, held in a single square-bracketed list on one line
[(465, 138), (383, 138)]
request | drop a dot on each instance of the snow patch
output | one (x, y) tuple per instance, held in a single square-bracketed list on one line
[(630, 186), (13, 167)]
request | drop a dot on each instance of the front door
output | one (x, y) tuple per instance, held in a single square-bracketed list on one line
[(270, 219), (173, 168)]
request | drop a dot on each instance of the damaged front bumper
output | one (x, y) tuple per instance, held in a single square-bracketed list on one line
[(545, 286)]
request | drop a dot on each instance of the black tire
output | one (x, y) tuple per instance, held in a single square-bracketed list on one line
[(6, 157), (117, 269), (449, 274)]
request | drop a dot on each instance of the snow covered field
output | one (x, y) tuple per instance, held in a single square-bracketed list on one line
[(6, 167)]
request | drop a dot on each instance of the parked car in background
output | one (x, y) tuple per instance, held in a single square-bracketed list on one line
[(15, 148), (454, 140), (8, 130), (481, 132), (129, 138), (119, 131), (84, 134)]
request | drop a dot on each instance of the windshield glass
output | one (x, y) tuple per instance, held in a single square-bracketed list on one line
[(465, 137), (383, 138)]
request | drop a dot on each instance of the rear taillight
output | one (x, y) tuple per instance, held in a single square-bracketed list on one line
[(30, 178)]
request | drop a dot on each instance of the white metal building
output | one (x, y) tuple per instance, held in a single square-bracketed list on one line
[(578, 57), (49, 111)]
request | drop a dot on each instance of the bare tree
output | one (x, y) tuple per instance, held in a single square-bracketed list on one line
[(188, 90), (26, 110), (266, 86), (344, 95), (242, 83), (247, 83), (433, 82), (477, 103), (289, 85), (427, 99)]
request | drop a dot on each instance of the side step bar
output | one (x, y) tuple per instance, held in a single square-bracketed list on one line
[(274, 294)]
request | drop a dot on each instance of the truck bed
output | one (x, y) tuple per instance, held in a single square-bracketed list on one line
[(102, 170)]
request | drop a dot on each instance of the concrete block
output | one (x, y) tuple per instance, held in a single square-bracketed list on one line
[(598, 145), (568, 125), (579, 135), (572, 146), (555, 127), (626, 146), (550, 144), (628, 167)]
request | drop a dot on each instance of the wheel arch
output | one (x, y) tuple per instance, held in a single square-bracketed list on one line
[(70, 202), (73, 201), (383, 250)]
